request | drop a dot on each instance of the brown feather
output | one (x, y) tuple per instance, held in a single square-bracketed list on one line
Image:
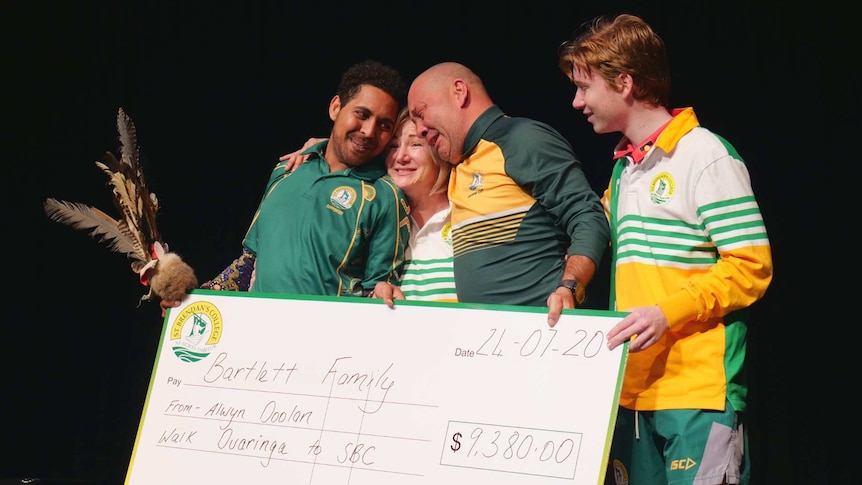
[(100, 226), (128, 140), (134, 233)]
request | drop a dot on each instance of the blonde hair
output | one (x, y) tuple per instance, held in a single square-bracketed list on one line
[(442, 182)]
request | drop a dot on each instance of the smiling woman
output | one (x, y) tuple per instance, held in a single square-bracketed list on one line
[(424, 178), (415, 169)]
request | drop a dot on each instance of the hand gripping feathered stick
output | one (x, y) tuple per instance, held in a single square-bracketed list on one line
[(135, 233)]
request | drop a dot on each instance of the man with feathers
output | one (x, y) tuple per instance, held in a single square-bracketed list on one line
[(336, 225)]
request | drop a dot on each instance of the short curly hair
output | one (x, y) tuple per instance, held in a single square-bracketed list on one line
[(373, 73)]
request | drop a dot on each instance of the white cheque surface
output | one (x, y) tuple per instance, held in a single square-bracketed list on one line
[(269, 390)]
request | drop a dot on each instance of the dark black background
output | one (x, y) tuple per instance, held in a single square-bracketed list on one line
[(219, 91)]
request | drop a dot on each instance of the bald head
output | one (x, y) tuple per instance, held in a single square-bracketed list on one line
[(442, 76), (449, 71), (444, 101)]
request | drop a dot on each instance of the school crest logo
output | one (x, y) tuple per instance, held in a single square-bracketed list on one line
[(661, 188), (343, 197), (196, 331), (447, 234), (478, 181)]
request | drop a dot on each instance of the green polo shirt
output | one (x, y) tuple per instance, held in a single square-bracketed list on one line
[(318, 232)]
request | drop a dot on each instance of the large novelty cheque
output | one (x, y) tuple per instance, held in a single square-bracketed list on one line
[(269, 389)]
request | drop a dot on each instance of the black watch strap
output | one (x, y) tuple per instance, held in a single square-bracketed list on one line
[(578, 291)]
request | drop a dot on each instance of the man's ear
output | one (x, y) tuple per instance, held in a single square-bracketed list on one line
[(460, 91), (334, 107), (625, 83)]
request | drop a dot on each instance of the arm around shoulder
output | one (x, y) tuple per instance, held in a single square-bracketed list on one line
[(391, 232)]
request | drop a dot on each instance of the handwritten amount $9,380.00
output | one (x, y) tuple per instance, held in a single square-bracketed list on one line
[(529, 451)]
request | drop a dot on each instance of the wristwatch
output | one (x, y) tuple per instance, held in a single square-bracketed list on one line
[(579, 293)]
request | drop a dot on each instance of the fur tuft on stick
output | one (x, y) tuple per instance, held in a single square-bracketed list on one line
[(172, 278)]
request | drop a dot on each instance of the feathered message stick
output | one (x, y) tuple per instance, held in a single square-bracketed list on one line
[(134, 233)]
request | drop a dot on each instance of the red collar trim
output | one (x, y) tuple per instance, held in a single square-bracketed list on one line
[(637, 153)]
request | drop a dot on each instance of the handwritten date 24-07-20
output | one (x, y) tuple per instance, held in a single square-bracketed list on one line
[(538, 343)]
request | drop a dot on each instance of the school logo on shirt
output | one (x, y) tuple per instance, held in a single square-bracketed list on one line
[(661, 188), (196, 331), (343, 197), (447, 234), (477, 181), (477, 185)]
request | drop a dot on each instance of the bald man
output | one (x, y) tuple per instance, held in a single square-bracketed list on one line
[(527, 228)]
